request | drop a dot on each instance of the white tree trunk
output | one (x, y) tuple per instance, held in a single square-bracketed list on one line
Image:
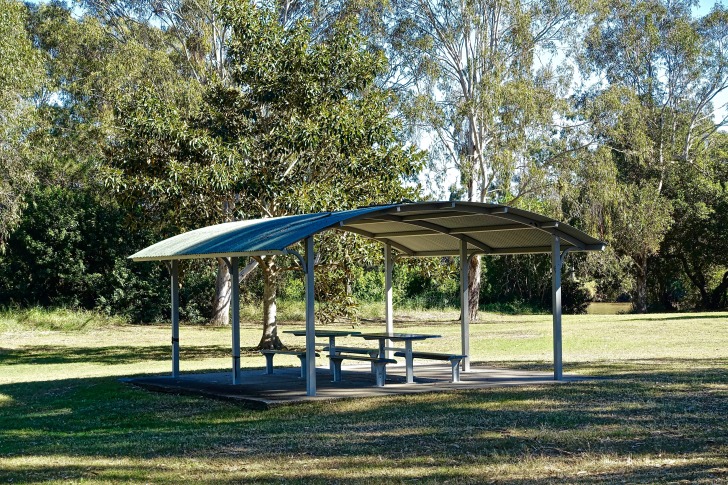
[(474, 287), (223, 294), (270, 339)]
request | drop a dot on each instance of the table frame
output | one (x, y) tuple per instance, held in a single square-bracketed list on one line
[(407, 338)]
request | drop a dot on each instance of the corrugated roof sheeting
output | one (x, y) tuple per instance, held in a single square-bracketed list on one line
[(521, 238), (412, 229), (439, 242), (257, 236)]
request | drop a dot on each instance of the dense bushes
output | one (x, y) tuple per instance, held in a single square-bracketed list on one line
[(70, 251)]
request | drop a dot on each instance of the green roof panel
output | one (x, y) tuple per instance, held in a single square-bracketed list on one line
[(414, 229)]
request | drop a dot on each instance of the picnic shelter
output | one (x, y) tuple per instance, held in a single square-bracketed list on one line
[(424, 229)]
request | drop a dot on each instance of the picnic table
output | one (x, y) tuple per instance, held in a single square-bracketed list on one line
[(407, 338), (331, 334)]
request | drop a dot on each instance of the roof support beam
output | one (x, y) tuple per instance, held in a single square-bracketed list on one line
[(388, 302), (235, 273), (459, 230), (440, 229), (174, 274), (494, 228), (370, 235), (494, 252), (421, 232), (310, 321), (556, 261), (441, 215), (427, 206), (465, 305), (503, 213)]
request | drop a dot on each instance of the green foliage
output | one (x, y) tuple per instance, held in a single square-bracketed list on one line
[(697, 243), (652, 121), (237, 110), (20, 73), (517, 279), (70, 250), (89, 70), (523, 284), (426, 285)]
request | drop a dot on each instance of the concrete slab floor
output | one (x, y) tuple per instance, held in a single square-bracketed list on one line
[(285, 387)]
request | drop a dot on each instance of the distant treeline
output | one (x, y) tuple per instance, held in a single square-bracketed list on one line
[(123, 122)]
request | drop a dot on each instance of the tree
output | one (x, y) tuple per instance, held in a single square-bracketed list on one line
[(299, 127), (698, 239), (663, 69), (479, 86), (195, 36), (20, 73)]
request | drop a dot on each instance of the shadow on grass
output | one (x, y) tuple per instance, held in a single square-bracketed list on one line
[(676, 408), (110, 355), (702, 316), (657, 369)]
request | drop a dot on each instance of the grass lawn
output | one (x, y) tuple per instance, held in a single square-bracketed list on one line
[(658, 414)]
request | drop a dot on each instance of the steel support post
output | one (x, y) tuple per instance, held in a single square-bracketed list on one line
[(310, 321), (556, 304), (388, 305), (234, 265), (464, 305), (174, 270)]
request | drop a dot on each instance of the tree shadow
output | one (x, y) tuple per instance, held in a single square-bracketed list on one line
[(701, 316), (110, 355), (643, 412)]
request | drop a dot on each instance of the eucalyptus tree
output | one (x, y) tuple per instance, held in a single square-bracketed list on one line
[(88, 71), (300, 126), (658, 72), (20, 76), (483, 81), (195, 35)]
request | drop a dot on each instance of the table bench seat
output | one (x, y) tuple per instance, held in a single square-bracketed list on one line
[(354, 350), (380, 371), (454, 360), (270, 353)]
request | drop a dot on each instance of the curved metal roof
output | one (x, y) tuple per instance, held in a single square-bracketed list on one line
[(414, 229)]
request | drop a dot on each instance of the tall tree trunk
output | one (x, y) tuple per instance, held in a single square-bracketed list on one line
[(696, 276), (270, 339), (476, 264), (718, 295), (640, 300), (223, 293), (475, 261)]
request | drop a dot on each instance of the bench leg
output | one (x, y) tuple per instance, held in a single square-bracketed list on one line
[(455, 370), (302, 358), (408, 362), (269, 363), (380, 373), (337, 369), (373, 355)]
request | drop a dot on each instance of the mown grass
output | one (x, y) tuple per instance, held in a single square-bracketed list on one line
[(656, 414)]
